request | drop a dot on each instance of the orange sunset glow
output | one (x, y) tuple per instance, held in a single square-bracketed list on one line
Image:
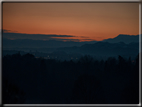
[(84, 21)]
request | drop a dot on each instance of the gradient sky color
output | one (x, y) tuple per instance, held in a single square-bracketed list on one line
[(85, 21)]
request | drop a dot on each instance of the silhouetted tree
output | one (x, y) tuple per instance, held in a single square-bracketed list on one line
[(28, 55), (11, 94), (87, 90), (72, 80), (121, 64), (131, 92)]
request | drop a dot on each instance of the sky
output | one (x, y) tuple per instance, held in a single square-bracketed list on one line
[(76, 21)]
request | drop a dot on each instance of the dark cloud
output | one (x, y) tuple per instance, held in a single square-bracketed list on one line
[(69, 40), (88, 39), (8, 31), (8, 35), (75, 40), (5, 31)]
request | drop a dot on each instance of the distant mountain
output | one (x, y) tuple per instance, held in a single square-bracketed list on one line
[(29, 43), (123, 38), (125, 45), (105, 49), (99, 50)]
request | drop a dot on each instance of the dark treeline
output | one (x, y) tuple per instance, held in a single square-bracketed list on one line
[(27, 79)]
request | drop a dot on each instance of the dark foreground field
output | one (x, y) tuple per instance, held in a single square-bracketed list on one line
[(30, 80)]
